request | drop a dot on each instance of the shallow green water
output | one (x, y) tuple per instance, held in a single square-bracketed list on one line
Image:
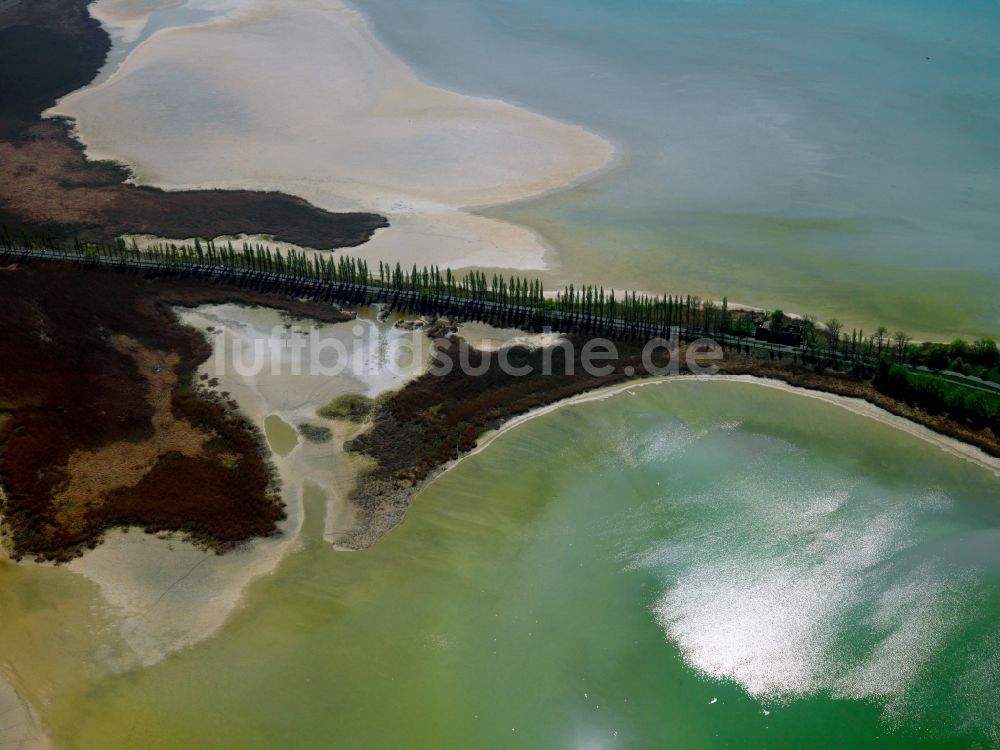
[(696, 565), (281, 436)]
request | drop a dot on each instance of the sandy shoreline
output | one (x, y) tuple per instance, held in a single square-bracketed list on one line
[(405, 468), (857, 406), (185, 110)]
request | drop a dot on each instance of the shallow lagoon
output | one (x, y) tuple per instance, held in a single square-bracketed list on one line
[(700, 565), (281, 436)]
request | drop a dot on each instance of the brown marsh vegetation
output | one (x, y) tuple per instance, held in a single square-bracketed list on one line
[(101, 424)]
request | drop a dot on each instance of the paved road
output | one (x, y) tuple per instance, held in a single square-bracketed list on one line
[(968, 380)]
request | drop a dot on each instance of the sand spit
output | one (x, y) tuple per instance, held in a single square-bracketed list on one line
[(167, 594), (302, 98), (854, 405)]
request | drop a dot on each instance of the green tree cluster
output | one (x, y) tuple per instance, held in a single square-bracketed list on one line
[(938, 395)]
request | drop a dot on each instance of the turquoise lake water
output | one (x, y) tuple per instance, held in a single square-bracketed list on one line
[(828, 158)]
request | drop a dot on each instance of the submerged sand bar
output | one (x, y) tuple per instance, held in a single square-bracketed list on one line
[(300, 97)]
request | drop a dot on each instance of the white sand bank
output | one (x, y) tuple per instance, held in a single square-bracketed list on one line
[(165, 593), (301, 97)]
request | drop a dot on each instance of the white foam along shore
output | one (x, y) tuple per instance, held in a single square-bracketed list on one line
[(301, 97), (857, 406), (166, 594)]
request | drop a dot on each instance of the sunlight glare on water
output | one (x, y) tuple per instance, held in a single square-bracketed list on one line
[(699, 565)]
